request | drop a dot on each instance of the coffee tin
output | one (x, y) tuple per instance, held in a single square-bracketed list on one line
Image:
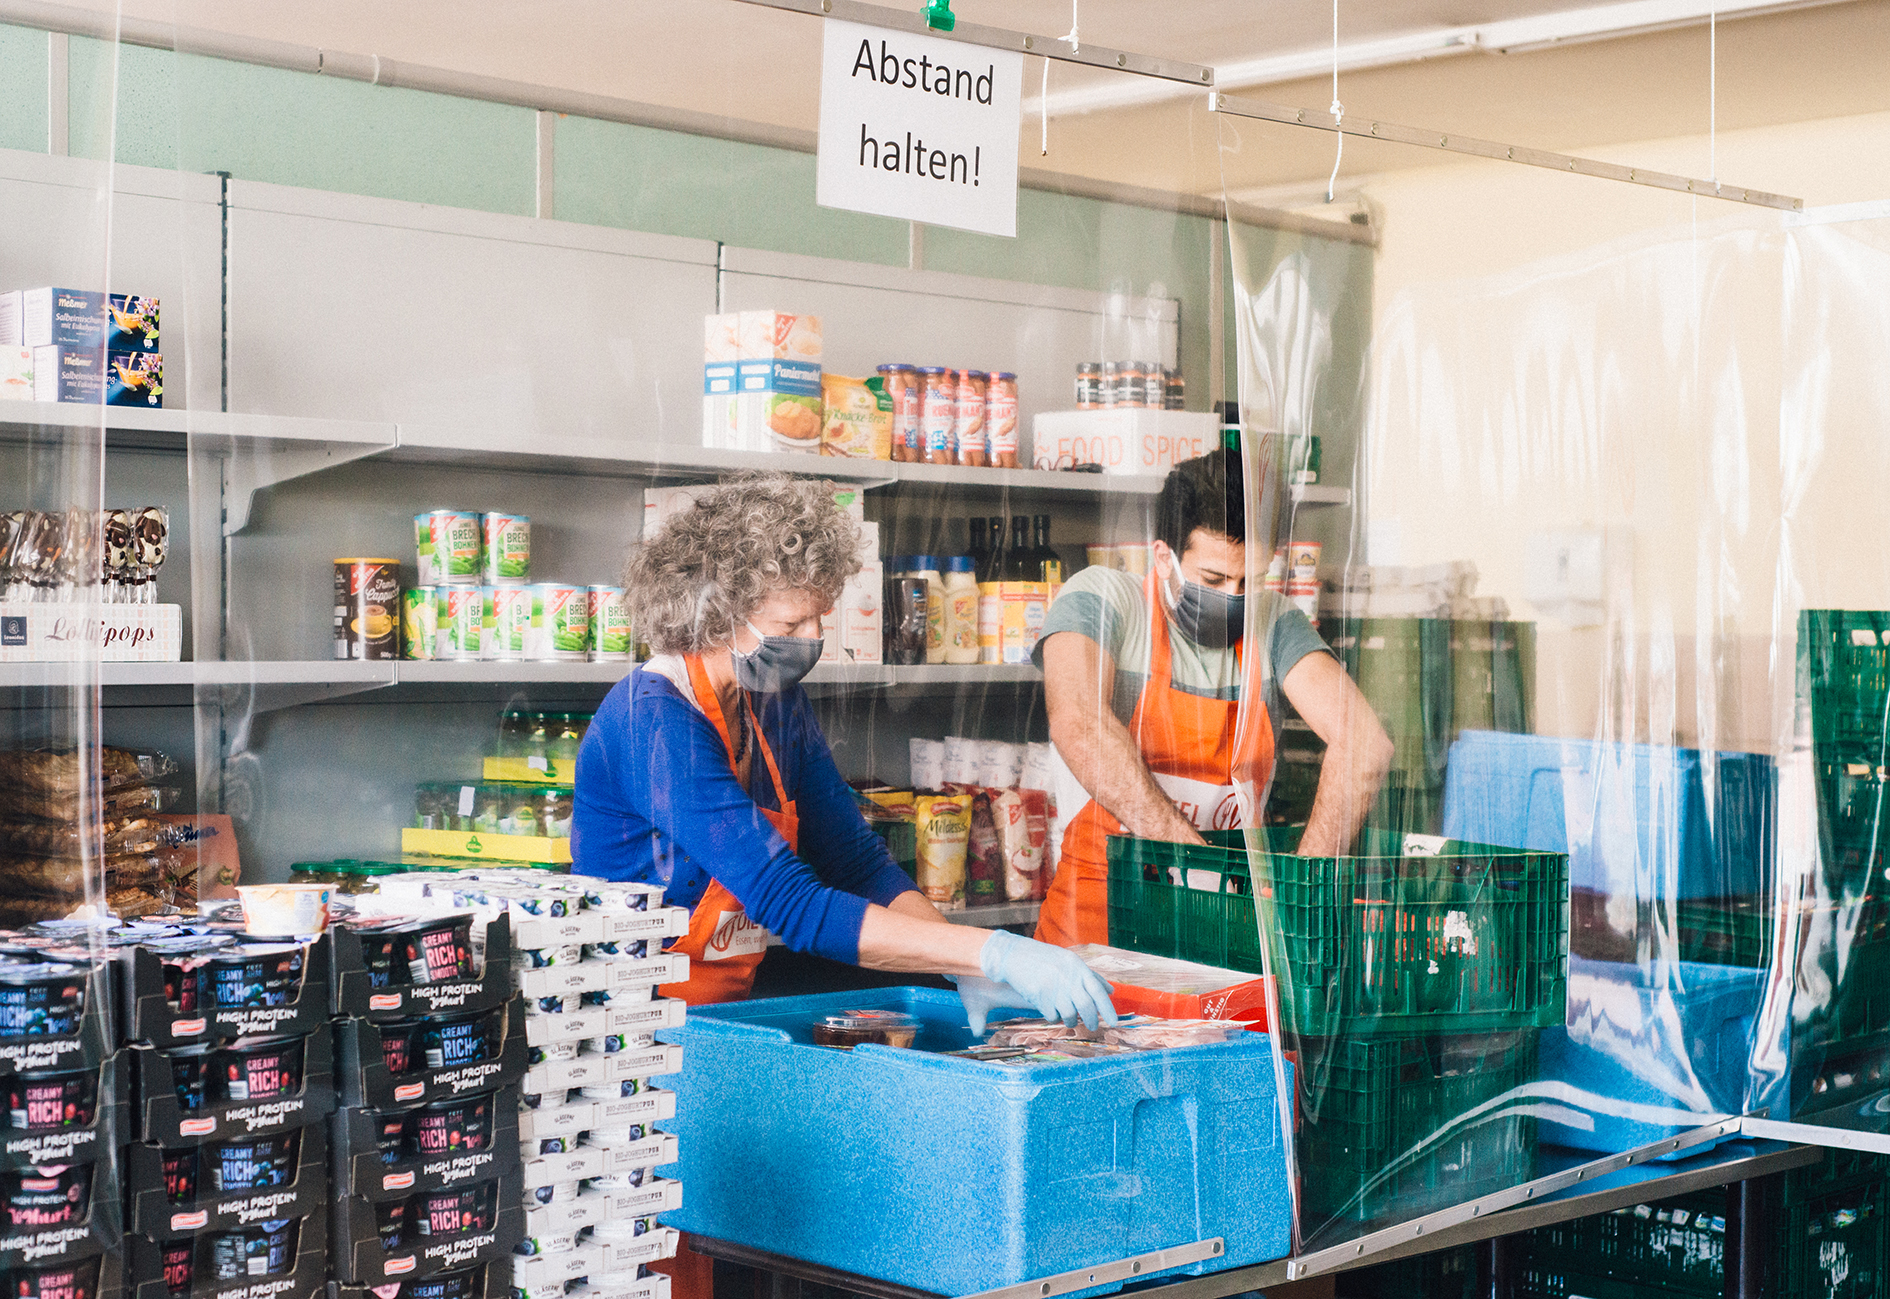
[(508, 621), (508, 548), (419, 622), (458, 548), (459, 620), (561, 622), (610, 623), (367, 609)]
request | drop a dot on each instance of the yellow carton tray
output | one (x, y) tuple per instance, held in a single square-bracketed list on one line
[(556, 771), (487, 847)]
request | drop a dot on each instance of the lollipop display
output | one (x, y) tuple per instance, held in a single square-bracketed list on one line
[(82, 556)]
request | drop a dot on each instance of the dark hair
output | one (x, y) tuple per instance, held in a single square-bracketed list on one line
[(1207, 492)]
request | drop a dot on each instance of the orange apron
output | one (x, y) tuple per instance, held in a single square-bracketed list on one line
[(1195, 751), (723, 946)]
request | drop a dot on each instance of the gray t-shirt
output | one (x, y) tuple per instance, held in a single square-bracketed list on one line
[(1107, 605)]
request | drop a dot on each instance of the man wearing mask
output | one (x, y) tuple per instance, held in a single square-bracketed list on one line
[(1143, 681)]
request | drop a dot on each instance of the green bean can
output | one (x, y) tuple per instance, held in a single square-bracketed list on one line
[(561, 622), (610, 623), (457, 548), (460, 612), (508, 620), (419, 621), (507, 540)]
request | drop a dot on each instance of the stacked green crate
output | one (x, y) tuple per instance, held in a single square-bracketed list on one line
[(1832, 1242), (1446, 1274), (1844, 672), (1413, 990)]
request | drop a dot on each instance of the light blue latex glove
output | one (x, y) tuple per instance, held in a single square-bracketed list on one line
[(1023, 972)]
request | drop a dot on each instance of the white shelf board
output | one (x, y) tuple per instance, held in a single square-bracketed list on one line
[(507, 673), (630, 456), (1029, 480), (25, 675), (1314, 494), (171, 427)]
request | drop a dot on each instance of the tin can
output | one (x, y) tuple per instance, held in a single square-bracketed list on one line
[(423, 549), (508, 622), (938, 406), (180, 1175), (452, 1127), (367, 609), (399, 1038), (1304, 596), (610, 623), (42, 999), (449, 1043), (458, 547), (190, 1075), (419, 621), (457, 1211), (969, 434), (390, 1223), (260, 1069), (444, 1285), (1000, 418), (1089, 378), (55, 1281), (561, 622), (267, 1249), (507, 542), (55, 1196), (254, 1164), (42, 1101), (179, 1259), (461, 617), (253, 975)]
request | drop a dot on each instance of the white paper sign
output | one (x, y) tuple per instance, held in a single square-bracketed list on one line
[(919, 128)]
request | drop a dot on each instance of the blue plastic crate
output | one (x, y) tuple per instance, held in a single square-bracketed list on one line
[(954, 1176), (1650, 1052), (1631, 817)]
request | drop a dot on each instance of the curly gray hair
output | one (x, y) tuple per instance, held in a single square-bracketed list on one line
[(711, 565)]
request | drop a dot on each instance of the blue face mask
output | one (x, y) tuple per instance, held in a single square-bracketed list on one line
[(778, 663), (1211, 619)]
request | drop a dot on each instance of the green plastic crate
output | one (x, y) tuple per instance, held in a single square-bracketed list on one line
[(1472, 938), (1404, 1125), (1678, 1245), (1407, 809), (1402, 667), (1446, 1274), (1835, 1245), (1493, 676), (1847, 652)]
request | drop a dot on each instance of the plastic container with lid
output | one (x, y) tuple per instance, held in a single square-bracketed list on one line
[(961, 610), (850, 1028), (926, 567)]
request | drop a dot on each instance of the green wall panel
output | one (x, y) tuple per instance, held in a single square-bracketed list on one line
[(293, 128), (749, 195), (22, 89)]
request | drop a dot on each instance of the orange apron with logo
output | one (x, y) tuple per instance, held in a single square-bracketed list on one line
[(1193, 749), (723, 946)]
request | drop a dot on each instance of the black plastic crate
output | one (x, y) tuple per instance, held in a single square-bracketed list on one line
[(356, 993), (361, 1257), (360, 1168), (492, 1280), (152, 1017), (187, 1268), (162, 1120), (63, 1143), (157, 1206), (1446, 1274), (368, 1083)]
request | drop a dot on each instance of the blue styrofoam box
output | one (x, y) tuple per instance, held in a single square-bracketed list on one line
[(955, 1176), (1632, 817), (1650, 1052)]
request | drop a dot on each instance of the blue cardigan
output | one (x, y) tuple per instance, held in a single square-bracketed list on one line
[(658, 803)]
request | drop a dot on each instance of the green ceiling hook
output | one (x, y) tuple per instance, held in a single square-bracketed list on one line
[(939, 16)]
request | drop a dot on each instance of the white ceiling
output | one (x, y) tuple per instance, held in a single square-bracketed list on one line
[(750, 63)]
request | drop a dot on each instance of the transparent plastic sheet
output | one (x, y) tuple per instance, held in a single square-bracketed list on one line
[(1567, 589)]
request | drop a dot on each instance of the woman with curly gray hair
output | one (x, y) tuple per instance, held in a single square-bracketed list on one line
[(705, 770)]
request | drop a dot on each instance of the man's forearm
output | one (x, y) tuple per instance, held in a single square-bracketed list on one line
[(1349, 781), (1105, 760)]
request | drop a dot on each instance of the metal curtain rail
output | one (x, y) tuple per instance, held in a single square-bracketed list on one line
[(999, 38), (1367, 129)]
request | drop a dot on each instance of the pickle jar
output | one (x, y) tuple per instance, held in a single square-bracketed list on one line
[(519, 810), (489, 809), (563, 735), (554, 809)]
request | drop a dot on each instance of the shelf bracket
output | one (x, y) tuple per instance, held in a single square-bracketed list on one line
[(1123, 1269), (250, 467)]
